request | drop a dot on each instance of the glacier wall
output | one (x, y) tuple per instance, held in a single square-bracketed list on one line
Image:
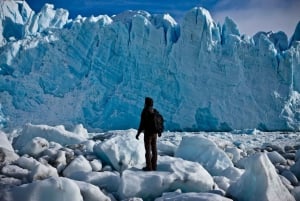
[(97, 71)]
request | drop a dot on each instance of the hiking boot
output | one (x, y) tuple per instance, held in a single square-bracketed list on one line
[(146, 169)]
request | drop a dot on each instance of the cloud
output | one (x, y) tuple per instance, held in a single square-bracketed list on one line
[(260, 15)]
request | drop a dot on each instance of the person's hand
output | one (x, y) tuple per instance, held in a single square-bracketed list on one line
[(137, 136)]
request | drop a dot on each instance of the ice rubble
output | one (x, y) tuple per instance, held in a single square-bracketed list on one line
[(66, 169)]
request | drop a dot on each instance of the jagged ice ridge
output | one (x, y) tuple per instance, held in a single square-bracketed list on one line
[(97, 71)]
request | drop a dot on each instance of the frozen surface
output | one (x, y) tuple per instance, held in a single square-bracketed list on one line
[(207, 153), (97, 71), (260, 182), (79, 164), (55, 188), (56, 134), (122, 151), (191, 197), (251, 165)]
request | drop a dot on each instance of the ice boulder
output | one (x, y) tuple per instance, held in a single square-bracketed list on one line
[(276, 158), (96, 165), (56, 134), (146, 185), (91, 192), (35, 147), (122, 150), (175, 196), (259, 182), (296, 169), (232, 173), (6, 156), (79, 164), (173, 173), (38, 171), (186, 175), (222, 182), (107, 180), (14, 171), (7, 153), (296, 193), (204, 151), (4, 142), (60, 161), (54, 188)]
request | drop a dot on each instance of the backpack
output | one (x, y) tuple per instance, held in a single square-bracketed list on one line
[(158, 122)]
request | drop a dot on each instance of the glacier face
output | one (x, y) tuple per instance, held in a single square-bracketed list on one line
[(97, 71)]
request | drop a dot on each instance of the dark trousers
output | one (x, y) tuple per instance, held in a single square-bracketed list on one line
[(151, 151)]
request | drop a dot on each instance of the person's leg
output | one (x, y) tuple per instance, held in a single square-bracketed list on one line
[(147, 143), (154, 152)]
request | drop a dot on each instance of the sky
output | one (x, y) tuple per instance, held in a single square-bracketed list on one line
[(251, 16)]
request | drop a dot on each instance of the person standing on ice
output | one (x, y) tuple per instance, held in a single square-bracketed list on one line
[(150, 134)]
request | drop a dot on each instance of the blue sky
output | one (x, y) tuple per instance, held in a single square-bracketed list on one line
[(251, 16)]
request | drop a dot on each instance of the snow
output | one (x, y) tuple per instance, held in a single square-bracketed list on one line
[(204, 171), (201, 75)]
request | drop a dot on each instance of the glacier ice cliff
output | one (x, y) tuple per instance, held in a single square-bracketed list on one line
[(97, 71)]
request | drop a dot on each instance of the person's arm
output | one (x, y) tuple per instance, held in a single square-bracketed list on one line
[(141, 126)]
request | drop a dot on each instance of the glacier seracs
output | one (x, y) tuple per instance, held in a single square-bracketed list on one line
[(97, 71)]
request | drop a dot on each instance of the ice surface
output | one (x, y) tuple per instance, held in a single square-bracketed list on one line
[(122, 151), (90, 192), (260, 182), (175, 178), (7, 153), (191, 197), (57, 134), (54, 188), (4, 142), (135, 183), (208, 154), (97, 71), (172, 174), (79, 164), (296, 193), (35, 147), (187, 176), (37, 170)]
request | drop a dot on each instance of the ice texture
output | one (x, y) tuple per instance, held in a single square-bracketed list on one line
[(260, 181), (208, 154), (97, 71)]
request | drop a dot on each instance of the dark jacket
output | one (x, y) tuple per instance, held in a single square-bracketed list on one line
[(146, 123)]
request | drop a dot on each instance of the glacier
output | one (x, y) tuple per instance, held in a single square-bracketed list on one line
[(96, 71)]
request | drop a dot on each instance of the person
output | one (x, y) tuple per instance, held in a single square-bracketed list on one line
[(150, 136)]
